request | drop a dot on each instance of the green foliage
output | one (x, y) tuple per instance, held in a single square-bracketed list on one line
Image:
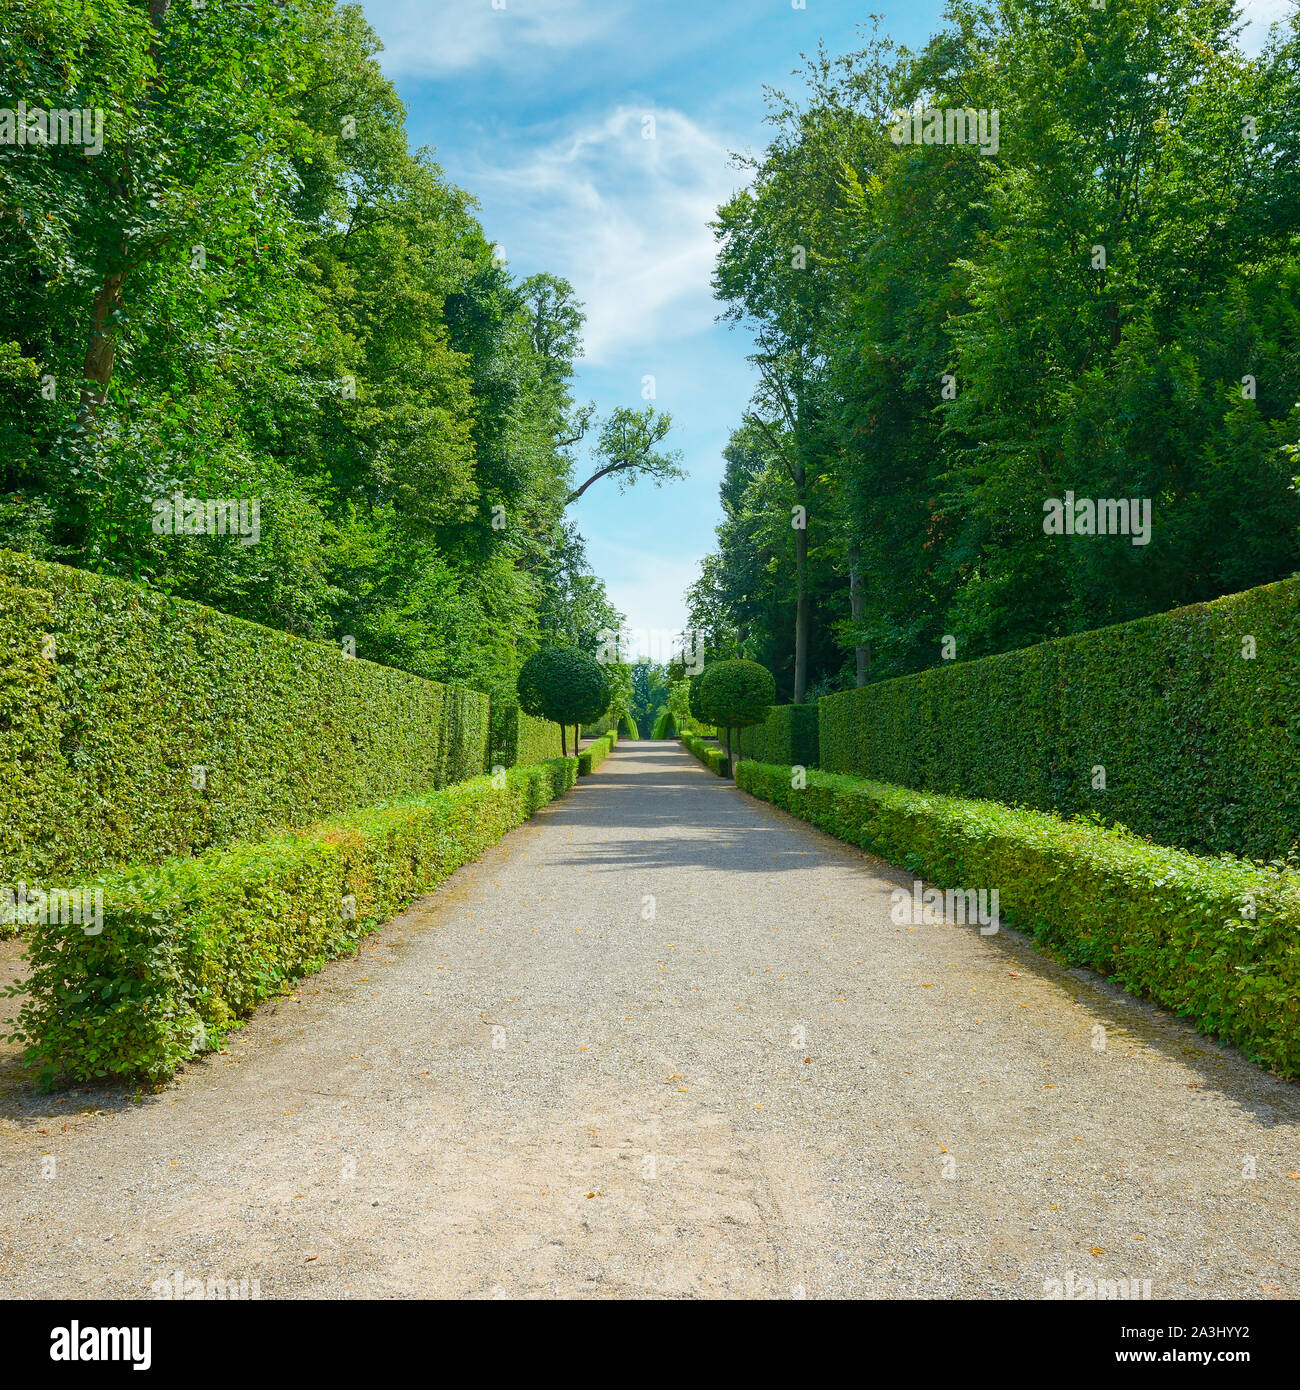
[(1200, 743), (628, 725), (713, 757), (788, 736), (665, 726), (649, 693), (1213, 939), (733, 694), (956, 352), (591, 757), (266, 304), (518, 739), (563, 684), (191, 947), (142, 727), (679, 693), (694, 686)]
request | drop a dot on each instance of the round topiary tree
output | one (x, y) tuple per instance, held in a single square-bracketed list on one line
[(564, 685), (600, 702), (733, 694)]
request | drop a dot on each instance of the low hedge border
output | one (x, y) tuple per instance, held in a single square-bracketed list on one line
[(715, 759), (192, 946), (594, 754), (1163, 923)]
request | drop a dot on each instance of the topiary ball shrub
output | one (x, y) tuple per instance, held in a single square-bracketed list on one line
[(565, 685), (733, 694)]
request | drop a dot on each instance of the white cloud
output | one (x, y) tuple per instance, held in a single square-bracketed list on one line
[(434, 38), (1259, 14), (647, 587), (624, 218)]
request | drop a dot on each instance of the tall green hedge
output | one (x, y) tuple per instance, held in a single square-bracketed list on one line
[(190, 947), (788, 736), (1212, 938), (1200, 743), (134, 727), (519, 739)]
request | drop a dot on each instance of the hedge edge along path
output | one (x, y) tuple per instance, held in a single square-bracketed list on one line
[(715, 759), (1193, 714), (591, 757), (134, 727), (192, 946), (1162, 922)]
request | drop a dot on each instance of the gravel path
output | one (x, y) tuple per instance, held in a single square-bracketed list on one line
[(526, 1087)]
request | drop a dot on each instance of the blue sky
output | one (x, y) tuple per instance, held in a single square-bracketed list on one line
[(537, 108)]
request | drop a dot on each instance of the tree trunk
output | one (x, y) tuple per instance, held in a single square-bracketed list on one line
[(729, 768), (101, 350), (857, 604), (564, 740), (97, 370), (801, 613)]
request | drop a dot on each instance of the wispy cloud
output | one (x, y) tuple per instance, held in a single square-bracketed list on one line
[(621, 207), (1259, 14), (648, 588), (437, 38)]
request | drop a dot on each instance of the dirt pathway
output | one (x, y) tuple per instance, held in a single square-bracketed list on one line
[(665, 1041)]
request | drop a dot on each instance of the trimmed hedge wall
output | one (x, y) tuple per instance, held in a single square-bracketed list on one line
[(112, 695), (1200, 745), (714, 758), (1164, 923), (594, 754), (789, 736), (519, 739), (192, 946)]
